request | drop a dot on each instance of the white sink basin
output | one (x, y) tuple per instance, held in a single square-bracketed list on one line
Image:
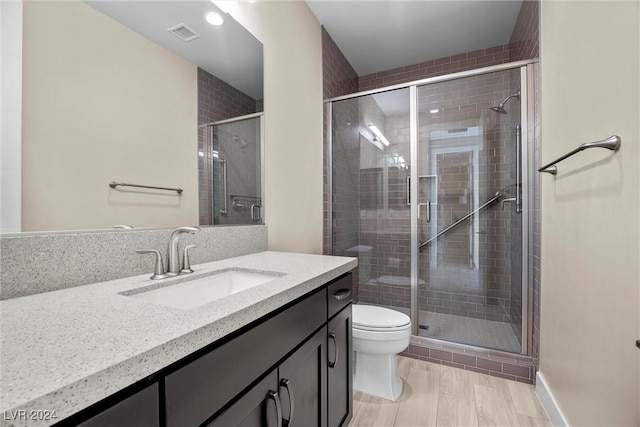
[(203, 290)]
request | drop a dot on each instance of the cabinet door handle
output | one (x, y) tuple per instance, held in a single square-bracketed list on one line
[(286, 384), (273, 395), (332, 337), (342, 294)]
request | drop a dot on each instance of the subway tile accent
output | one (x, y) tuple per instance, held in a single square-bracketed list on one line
[(451, 64), (512, 367), (524, 39)]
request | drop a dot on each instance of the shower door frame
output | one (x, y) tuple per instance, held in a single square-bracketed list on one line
[(526, 104)]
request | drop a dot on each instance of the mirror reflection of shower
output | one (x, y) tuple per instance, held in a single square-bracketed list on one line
[(239, 140), (231, 165)]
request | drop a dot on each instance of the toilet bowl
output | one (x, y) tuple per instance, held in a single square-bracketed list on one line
[(379, 334)]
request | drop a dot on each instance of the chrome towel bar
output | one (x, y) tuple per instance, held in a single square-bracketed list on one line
[(114, 184), (612, 143)]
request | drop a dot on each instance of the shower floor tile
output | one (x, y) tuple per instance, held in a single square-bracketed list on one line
[(466, 330)]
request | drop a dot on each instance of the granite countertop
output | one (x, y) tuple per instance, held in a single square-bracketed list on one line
[(65, 350)]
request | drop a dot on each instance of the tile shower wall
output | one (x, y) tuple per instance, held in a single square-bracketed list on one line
[(217, 100), (437, 67), (525, 37), (523, 45)]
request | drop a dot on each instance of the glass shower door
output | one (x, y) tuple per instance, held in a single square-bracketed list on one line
[(371, 216), (470, 259)]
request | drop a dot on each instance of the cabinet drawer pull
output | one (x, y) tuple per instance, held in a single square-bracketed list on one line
[(273, 395), (332, 337), (286, 384), (342, 294)]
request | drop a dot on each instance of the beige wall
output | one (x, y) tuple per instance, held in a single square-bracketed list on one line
[(102, 103), (590, 211), (293, 120)]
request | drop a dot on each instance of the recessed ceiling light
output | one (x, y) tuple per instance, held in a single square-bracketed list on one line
[(434, 111), (214, 18)]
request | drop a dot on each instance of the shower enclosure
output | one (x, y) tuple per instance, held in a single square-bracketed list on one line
[(428, 191), (230, 171)]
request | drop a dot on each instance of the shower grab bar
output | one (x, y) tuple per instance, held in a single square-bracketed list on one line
[(223, 164), (114, 184), (495, 198), (236, 196), (612, 143)]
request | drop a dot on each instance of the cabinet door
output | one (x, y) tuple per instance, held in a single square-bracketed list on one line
[(303, 384), (339, 376), (259, 406)]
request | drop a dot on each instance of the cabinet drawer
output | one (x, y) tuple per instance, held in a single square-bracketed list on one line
[(201, 388), (339, 294), (141, 409)]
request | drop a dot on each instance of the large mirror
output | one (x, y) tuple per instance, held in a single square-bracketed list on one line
[(144, 93)]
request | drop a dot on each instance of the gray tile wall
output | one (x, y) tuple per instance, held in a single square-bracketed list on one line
[(38, 262)]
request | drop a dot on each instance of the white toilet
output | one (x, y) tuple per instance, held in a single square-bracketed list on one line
[(379, 334)]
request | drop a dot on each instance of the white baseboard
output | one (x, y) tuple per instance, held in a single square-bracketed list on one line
[(549, 402)]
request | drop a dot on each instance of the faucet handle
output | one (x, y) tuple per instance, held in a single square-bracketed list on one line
[(186, 264), (158, 271), (186, 229), (509, 200)]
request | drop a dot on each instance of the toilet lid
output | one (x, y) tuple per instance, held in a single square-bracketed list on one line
[(371, 316)]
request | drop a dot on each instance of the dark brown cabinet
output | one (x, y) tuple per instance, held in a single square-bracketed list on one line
[(293, 393), (340, 369), (140, 409), (291, 368)]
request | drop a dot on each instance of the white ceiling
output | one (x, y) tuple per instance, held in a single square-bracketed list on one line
[(228, 51), (381, 35)]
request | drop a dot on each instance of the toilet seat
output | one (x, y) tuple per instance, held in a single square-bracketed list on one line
[(379, 319)]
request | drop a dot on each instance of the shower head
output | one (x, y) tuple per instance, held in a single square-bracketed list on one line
[(239, 140), (500, 107)]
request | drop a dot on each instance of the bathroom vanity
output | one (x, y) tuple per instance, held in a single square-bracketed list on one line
[(275, 354)]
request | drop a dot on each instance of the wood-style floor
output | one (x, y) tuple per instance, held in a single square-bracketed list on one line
[(438, 395)]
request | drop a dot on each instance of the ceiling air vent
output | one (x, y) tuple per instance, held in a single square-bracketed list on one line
[(183, 32)]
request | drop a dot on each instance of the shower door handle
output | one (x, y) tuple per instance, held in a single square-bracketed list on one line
[(428, 214), (518, 169), (427, 204), (223, 164), (255, 212)]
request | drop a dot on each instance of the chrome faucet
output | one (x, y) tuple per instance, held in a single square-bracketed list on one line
[(173, 255), (513, 200)]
